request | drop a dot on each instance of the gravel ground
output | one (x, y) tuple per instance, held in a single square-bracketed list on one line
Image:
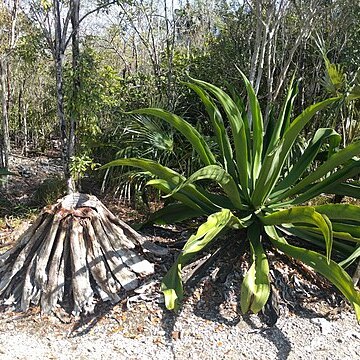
[(145, 333)]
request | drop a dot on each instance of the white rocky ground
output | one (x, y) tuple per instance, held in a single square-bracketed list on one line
[(160, 335)]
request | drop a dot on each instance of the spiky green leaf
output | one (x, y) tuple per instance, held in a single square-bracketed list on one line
[(257, 127), (303, 214), (275, 160), (307, 157), (172, 178), (233, 114), (331, 270), (206, 233), (338, 159), (219, 129), (346, 189), (174, 213), (219, 175)]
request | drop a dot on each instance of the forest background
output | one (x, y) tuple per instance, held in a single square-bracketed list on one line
[(116, 56)]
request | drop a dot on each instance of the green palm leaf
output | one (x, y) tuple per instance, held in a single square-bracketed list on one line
[(194, 137)]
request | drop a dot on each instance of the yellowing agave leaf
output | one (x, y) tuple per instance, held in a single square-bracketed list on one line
[(331, 270), (307, 215), (172, 288), (255, 289), (207, 232)]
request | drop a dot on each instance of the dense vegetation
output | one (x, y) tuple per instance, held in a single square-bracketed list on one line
[(72, 72), (135, 54)]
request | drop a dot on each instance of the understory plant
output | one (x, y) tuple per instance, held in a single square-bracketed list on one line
[(255, 182), (147, 137)]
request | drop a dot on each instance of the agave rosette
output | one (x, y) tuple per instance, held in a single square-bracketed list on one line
[(260, 192)]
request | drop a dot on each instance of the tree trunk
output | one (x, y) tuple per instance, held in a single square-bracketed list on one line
[(58, 58), (257, 42), (25, 128), (5, 119), (76, 249), (74, 116)]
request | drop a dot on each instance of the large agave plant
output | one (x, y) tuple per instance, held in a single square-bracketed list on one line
[(258, 191)]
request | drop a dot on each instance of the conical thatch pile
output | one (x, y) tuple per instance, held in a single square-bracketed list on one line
[(75, 249)]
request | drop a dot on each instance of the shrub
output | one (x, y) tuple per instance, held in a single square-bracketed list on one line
[(49, 191), (259, 191), (143, 136)]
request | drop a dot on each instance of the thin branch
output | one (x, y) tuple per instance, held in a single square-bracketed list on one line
[(103, 6), (98, 8)]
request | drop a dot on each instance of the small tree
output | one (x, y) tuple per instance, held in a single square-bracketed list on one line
[(8, 38)]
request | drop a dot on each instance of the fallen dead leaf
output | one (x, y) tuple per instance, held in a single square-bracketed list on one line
[(158, 341), (176, 335)]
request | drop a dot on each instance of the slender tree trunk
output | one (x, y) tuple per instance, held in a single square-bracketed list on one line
[(19, 109), (5, 119), (25, 128), (74, 116), (170, 39), (58, 58), (61, 112), (261, 59), (255, 54)]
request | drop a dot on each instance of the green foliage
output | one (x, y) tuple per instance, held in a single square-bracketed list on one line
[(121, 69), (79, 165), (142, 136), (257, 191), (340, 80), (5, 172), (31, 47), (98, 95), (102, 131), (49, 191)]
